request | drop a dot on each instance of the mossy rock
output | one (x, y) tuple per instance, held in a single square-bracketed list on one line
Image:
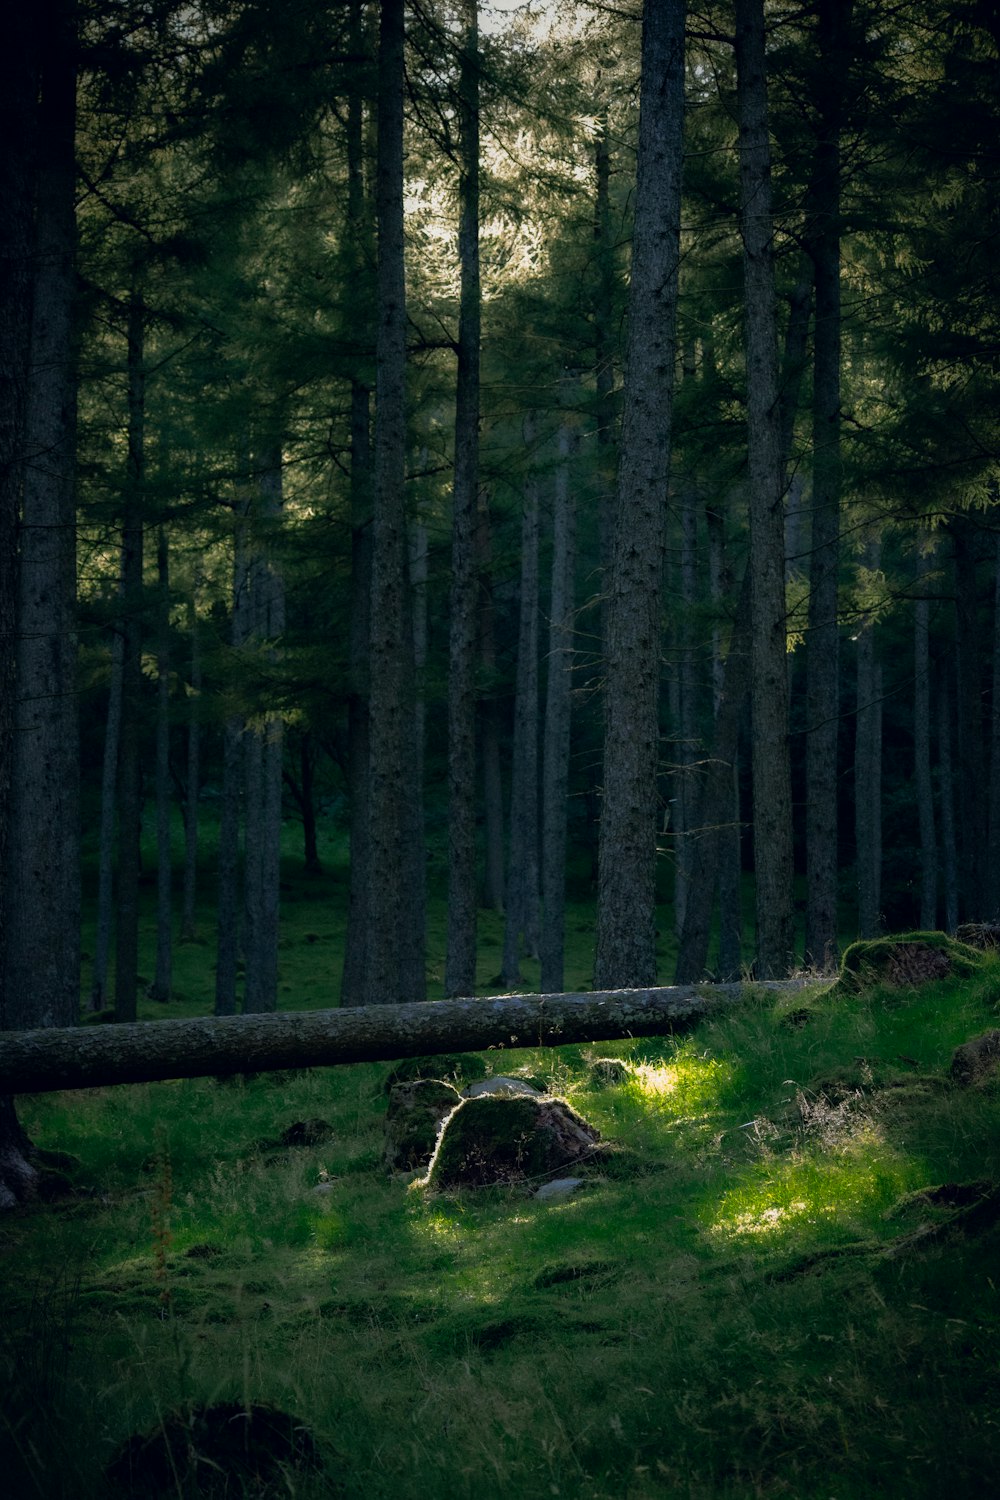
[(498, 1139), (907, 960), (977, 1061), (455, 1067), (608, 1073), (413, 1121)]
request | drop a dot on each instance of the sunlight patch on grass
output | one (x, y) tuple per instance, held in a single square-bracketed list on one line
[(688, 1084)]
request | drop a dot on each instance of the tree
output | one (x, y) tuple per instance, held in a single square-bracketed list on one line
[(626, 943)]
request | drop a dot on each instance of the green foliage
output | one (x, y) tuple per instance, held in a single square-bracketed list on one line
[(779, 1243)]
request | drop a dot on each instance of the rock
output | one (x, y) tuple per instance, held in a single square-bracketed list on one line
[(559, 1187), (413, 1120), (216, 1451), (985, 935), (508, 1138), (500, 1085), (977, 1060), (609, 1072)]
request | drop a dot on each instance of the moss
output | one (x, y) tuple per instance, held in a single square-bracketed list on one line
[(500, 1138), (456, 1067), (905, 960)]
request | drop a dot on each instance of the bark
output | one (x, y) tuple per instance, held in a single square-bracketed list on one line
[(129, 766), (106, 837), (922, 779), (263, 740), (822, 662), (772, 797), (728, 854), (626, 941), (43, 1061), (972, 826), (460, 959), (233, 781), (868, 776), (558, 714), (605, 345), (489, 715), (685, 752), (523, 893), (193, 781), (41, 977), (395, 958), (949, 843), (993, 849), (162, 981), (352, 989)]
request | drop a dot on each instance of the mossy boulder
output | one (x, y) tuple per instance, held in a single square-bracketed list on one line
[(906, 961), (608, 1073), (977, 1061), (508, 1138), (413, 1120)]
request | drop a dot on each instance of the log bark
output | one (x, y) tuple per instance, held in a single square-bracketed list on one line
[(143, 1051)]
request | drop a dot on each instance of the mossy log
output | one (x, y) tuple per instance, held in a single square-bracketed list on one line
[(143, 1051)]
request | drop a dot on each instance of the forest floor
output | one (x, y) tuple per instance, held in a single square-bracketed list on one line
[(753, 1295)]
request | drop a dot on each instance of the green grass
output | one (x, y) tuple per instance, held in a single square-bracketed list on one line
[(714, 1316)]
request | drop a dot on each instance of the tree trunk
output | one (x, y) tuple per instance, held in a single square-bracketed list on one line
[(558, 713), (489, 736), (685, 752), (922, 778), (129, 751), (993, 851), (263, 740), (395, 959), (162, 981), (106, 837), (728, 839), (868, 776), (972, 826), (823, 665), (41, 980), (193, 782), (460, 960), (949, 843), (772, 795), (233, 782), (522, 903), (18, 98), (626, 905), (206, 1046)]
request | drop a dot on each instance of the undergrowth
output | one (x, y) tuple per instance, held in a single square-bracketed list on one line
[(734, 1306)]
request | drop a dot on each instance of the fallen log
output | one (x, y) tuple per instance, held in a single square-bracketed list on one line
[(82, 1057)]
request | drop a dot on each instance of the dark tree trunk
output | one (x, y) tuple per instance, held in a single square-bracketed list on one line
[(728, 838), (868, 775), (626, 942), (922, 777), (129, 749), (972, 826), (395, 959), (162, 982), (489, 733), (685, 751), (558, 711), (949, 843), (772, 795), (523, 894), (41, 978), (460, 961), (304, 793), (193, 782), (233, 780), (823, 664), (106, 836), (993, 851)]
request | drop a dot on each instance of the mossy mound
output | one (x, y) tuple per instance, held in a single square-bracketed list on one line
[(413, 1120), (977, 1061), (217, 1451), (608, 1073), (907, 960), (455, 1067), (497, 1139)]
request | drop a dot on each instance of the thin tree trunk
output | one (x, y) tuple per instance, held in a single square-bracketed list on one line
[(728, 841), (823, 664), (558, 711), (685, 754), (162, 982), (264, 742), (772, 795), (193, 781), (523, 894), (868, 776), (922, 779), (395, 959), (626, 940), (129, 767), (233, 781), (949, 843), (489, 735), (972, 826), (460, 960), (604, 354), (106, 837), (41, 979), (993, 851)]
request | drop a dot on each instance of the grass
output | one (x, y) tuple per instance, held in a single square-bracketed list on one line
[(731, 1308)]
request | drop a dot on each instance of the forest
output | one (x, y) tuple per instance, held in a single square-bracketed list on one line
[(501, 500)]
